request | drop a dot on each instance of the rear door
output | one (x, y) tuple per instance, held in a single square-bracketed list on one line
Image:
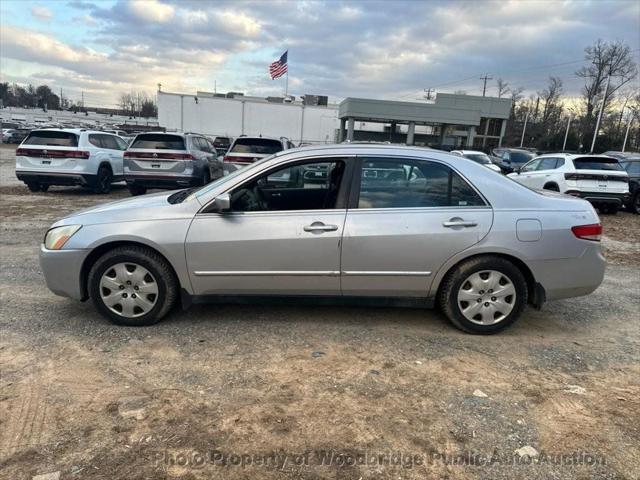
[(114, 150), (406, 217)]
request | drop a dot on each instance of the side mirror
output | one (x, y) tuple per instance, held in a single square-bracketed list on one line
[(222, 203)]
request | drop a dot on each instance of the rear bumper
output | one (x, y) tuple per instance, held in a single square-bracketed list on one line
[(598, 198), (571, 277), (61, 269), (162, 181), (51, 178)]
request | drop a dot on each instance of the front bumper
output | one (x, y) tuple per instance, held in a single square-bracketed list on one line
[(56, 178), (601, 198), (61, 269)]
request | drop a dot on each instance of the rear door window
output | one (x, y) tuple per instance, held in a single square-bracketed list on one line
[(256, 145), (95, 140), (633, 168), (413, 183), (158, 141), (52, 138), (590, 163), (109, 142)]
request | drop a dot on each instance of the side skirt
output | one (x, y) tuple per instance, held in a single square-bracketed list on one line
[(188, 300)]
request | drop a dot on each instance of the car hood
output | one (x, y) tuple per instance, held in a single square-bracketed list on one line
[(145, 207)]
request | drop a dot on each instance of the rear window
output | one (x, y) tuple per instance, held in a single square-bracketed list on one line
[(256, 145), (52, 138), (478, 158), (159, 142), (589, 163)]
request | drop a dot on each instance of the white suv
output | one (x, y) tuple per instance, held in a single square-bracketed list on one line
[(600, 180), (70, 157)]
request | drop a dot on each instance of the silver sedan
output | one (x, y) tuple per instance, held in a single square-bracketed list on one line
[(359, 223)]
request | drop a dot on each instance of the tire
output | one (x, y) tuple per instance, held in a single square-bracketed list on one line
[(161, 286), (33, 187), (103, 180), (44, 187), (136, 190), (506, 309), (206, 178), (552, 187), (609, 209), (634, 206)]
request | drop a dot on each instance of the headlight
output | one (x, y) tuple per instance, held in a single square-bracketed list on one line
[(57, 237)]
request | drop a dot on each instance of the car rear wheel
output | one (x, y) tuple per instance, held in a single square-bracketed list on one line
[(103, 180), (132, 286), (136, 190), (44, 187), (635, 203), (33, 187), (483, 295), (609, 209)]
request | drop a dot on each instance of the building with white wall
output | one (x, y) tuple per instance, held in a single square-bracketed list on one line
[(215, 115)]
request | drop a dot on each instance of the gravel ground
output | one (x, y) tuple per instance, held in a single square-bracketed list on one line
[(299, 392)]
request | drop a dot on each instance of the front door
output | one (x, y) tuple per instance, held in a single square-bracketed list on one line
[(282, 235), (407, 219)]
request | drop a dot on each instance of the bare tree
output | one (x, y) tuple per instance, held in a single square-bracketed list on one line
[(607, 59), (550, 97), (503, 87)]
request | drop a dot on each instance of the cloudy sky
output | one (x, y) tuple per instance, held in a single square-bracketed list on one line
[(390, 50)]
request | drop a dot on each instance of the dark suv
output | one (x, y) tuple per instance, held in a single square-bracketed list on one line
[(170, 161), (511, 159), (632, 166)]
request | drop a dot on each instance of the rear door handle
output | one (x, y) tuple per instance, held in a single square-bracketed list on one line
[(459, 223), (320, 227)]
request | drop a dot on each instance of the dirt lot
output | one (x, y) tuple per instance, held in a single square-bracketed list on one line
[(299, 392)]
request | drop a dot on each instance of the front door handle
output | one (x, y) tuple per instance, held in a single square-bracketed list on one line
[(320, 227), (458, 222)]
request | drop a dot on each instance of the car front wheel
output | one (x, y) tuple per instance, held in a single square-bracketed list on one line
[(132, 286), (483, 295)]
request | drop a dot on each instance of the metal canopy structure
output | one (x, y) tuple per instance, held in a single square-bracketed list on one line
[(481, 118)]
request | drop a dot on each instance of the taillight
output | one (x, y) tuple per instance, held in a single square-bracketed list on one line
[(47, 153), (588, 232), (159, 156)]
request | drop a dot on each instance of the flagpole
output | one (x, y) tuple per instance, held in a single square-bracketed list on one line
[(286, 83)]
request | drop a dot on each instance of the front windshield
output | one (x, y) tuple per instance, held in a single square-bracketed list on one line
[(216, 183)]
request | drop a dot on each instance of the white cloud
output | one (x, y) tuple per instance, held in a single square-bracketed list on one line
[(152, 10), (42, 13), (239, 23)]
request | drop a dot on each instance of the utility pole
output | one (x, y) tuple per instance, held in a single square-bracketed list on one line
[(604, 99), (484, 87), (82, 94), (524, 128), (428, 92), (566, 134), (626, 134)]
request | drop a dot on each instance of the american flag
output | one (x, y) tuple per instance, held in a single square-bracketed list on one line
[(279, 67)]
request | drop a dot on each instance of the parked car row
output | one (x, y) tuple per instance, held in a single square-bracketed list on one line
[(96, 159)]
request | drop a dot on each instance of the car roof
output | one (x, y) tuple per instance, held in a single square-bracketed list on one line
[(251, 137), (77, 131), (355, 148), (571, 156)]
